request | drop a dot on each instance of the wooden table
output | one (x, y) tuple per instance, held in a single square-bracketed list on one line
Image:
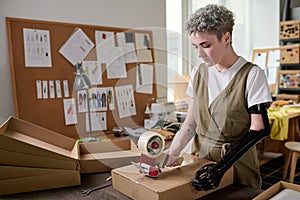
[(94, 180), (277, 146)]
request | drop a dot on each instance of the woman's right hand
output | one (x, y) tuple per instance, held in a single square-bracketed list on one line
[(173, 158)]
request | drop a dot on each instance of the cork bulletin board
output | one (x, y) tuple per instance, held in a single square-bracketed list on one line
[(49, 112), (268, 60)]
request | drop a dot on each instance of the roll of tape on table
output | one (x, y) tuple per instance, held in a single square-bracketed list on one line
[(151, 144)]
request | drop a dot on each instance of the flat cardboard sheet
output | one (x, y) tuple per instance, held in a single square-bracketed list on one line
[(173, 183)]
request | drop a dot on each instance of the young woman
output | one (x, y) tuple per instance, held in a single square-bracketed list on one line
[(229, 97)]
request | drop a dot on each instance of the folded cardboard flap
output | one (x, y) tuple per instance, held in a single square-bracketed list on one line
[(104, 146), (172, 183), (18, 146), (273, 190), (108, 155), (17, 135), (41, 133), (104, 156)]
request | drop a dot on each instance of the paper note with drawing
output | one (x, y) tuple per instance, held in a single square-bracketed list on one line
[(51, 89), (144, 78), (58, 89), (110, 98), (70, 111), (39, 89), (98, 99), (105, 43), (116, 68), (126, 42), (98, 121), (77, 47), (37, 48), (142, 42), (125, 100), (93, 70)]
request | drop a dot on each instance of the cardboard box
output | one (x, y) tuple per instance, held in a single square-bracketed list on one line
[(25, 144), (107, 155), (289, 29), (173, 183), (278, 187), (24, 179), (289, 54)]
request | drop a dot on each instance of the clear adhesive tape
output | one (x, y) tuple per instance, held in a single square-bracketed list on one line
[(151, 144)]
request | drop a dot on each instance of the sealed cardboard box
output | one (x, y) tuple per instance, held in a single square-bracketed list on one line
[(103, 156), (172, 183), (25, 144), (275, 189), (25, 179)]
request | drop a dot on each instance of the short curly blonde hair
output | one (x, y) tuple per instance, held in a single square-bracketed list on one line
[(212, 19)]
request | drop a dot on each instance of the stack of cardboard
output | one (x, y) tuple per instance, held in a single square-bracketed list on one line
[(34, 158)]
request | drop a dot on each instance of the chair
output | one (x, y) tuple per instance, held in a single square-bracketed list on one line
[(294, 153)]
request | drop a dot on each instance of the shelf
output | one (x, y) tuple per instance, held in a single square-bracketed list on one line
[(289, 90), (290, 66), (289, 73), (290, 40)]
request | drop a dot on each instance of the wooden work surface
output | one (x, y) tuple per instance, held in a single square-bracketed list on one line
[(90, 181)]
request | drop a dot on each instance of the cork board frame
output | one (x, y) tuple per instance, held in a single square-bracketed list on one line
[(49, 113)]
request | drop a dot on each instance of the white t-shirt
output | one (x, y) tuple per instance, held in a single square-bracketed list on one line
[(257, 89)]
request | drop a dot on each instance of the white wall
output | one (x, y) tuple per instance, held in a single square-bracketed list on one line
[(148, 14), (143, 14), (265, 24)]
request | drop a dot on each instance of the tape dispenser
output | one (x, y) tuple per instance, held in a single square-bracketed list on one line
[(151, 145)]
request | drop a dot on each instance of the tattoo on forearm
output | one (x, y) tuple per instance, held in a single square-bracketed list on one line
[(191, 128)]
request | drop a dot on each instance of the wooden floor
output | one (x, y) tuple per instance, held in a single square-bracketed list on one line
[(267, 156)]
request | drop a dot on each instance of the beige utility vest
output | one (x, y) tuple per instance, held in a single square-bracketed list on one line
[(223, 123)]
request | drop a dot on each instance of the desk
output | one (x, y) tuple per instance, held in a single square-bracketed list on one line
[(90, 181), (277, 146)]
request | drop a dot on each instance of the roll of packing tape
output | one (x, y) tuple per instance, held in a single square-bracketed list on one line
[(151, 144)]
